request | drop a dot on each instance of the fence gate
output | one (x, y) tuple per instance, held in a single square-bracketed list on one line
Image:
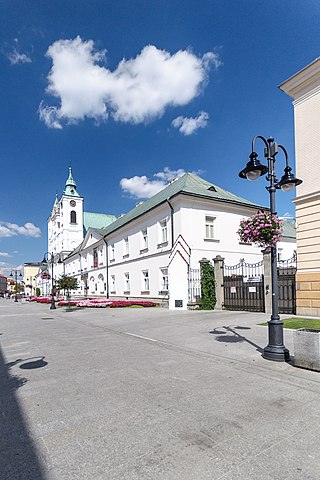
[(244, 287), (287, 285), (194, 285)]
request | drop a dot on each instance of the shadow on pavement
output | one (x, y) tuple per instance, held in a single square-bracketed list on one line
[(235, 337), (19, 459)]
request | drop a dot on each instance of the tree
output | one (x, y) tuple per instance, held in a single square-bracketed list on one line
[(67, 283)]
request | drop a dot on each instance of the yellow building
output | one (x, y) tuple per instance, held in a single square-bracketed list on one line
[(31, 270), (304, 88)]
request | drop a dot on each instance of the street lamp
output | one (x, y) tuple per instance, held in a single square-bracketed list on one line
[(50, 256), (15, 272), (275, 350)]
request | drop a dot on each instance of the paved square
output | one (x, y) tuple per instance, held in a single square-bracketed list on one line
[(109, 394)]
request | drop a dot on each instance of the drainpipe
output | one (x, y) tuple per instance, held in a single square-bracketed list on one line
[(80, 270), (172, 229), (107, 265)]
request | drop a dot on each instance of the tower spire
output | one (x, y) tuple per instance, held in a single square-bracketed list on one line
[(71, 187)]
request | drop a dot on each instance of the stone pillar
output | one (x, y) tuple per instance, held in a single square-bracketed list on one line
[(218, 274), (178, 283), (267, 280)]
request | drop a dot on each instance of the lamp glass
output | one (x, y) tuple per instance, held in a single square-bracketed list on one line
[(287, 187), (253, 174)]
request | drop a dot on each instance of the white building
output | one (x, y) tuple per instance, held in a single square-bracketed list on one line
[(148, 252), (67, 226)]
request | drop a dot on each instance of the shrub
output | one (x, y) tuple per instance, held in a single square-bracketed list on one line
[(208, 286)]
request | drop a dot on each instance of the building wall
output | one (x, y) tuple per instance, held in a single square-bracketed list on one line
[(140, 270), (29, 277), (225, 241), (3, 285), (62, 234), (304, 88)]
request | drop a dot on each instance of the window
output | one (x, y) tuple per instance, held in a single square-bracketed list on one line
[(101, 283), (126, 246), (127, 282), (210, 227), (164, 280), (95, 258), (113, 283), (145, 279), (73, 217), (144, 239), (112, 252), (164, 231)]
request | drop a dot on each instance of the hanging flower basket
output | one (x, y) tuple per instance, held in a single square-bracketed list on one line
[(262, 229)]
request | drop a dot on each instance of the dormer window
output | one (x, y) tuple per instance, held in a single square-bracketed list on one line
[(212, 189), (73, 217)]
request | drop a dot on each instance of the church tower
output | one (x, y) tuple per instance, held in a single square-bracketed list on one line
[(65, 224)]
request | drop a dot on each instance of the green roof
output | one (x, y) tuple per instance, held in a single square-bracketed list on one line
[(96, 220), (188, 184)]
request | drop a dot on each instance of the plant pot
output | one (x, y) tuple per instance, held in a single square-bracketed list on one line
[(306, 343)]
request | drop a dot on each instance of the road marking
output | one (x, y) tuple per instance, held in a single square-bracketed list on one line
[(144, 338), (17, 344)]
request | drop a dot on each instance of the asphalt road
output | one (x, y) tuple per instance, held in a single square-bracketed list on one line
[(110, 394)]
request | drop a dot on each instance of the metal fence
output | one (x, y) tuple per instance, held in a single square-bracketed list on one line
[(244, 286), (287, 285), (194, 285)]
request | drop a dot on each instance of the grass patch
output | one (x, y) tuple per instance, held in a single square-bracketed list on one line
[(296, 323)]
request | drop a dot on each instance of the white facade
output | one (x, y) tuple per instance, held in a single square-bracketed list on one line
[(150, 254), (65, 225)]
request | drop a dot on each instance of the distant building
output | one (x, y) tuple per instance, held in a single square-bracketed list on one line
[(3, 285), (30, 272), (304, 88)]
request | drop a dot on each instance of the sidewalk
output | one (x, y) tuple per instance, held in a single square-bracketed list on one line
[(151, 394)]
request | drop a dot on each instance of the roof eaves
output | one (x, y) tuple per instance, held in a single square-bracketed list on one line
[(225, 200)]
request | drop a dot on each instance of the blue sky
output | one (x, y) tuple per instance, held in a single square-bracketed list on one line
[(126, 89)]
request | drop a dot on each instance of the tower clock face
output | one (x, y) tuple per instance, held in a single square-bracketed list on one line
[(72, 203)]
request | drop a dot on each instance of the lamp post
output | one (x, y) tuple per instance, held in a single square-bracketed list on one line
[(46, 258), (15, 272), (275, 350)]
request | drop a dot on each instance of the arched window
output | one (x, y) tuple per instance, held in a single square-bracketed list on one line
[(73, 217), (101, 283)]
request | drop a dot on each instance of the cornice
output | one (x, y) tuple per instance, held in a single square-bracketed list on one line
[(307, 197), (303, 81)]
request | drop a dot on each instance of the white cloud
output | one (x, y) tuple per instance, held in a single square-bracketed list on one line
[(6, 269), (5, 254), (189, 125), (15, 56), (138, 90), (142, 187), (12, 229)]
